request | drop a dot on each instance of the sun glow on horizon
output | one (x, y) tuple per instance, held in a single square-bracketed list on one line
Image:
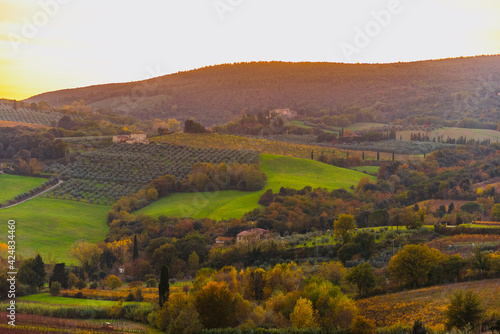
[(66, 44)]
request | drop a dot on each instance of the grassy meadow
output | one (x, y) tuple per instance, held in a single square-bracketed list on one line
[(477, 134), (354, 127), (47, 298), (13, 185), (281, 172), (51, 226), (372, 170)]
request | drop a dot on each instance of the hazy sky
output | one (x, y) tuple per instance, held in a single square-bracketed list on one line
[(54, 44)]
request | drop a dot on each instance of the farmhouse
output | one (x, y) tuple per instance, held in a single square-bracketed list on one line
[(284, 113), (223, 241), (135, 138), (254, 234)]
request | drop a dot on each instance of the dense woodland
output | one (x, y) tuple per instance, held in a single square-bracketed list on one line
[(452, 89)]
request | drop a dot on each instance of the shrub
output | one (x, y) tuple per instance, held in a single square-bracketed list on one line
[(152, 283), (361, 325), (79, 295), (464, 310), (113, 282), (419, 327), (55, 288), (81, 284)]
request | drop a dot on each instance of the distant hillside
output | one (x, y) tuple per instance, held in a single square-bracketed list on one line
[(13, 115), (452, 89)]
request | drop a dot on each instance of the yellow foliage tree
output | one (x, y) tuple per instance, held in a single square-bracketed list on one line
[(412, 265), (215, 305), (113, 282), (151, 194), (344, 226), (4, 248), (120, 249), (303, 315), (174, 125), (87, 253)]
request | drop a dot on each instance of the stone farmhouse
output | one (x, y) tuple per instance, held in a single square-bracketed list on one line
[(252, 235), (287, 113), (135, 138), (224, 241)]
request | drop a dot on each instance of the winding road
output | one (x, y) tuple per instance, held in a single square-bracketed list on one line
[(27, 199)]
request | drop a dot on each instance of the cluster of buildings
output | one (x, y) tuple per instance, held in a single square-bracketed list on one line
[(135, 138), (249, 236), (286, 113)]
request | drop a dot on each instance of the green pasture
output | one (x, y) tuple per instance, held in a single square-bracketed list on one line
[(281, 172), (51, 226), (13, 185), (47, 298)]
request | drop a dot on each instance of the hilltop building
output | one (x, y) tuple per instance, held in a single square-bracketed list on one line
[(252, 235), (135, 138), (287, 113), (224, 241)]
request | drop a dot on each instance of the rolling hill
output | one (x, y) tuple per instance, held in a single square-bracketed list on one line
[(281, 172), (51, 226), (13, 185), (450, 89)]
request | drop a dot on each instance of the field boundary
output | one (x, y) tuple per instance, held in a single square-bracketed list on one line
[(30, 198)]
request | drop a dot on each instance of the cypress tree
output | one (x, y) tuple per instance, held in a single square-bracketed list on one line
[(451, 207), (60, 275), (135, 255), (363, 155), (378, 156), (164, 286), (39, 269), (392, 155)]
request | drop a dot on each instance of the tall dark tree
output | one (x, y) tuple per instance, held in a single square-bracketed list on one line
[(60, 275), (32, 272), (26, 274), (451, 207), (135, 255), (39, 269), (193, 127), (65, 122), (164, 286)]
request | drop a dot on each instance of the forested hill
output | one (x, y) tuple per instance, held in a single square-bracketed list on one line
[(452, 88)]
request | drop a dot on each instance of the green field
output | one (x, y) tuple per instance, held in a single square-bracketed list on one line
[(334, 129), (373, 170), (477, 134), (49, 299), (51, 226), (281, 172), (13, 185)]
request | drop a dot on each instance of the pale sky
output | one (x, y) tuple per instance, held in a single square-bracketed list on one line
[(55, 44)]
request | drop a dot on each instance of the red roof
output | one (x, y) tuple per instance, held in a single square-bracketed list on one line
[(252, 231)]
